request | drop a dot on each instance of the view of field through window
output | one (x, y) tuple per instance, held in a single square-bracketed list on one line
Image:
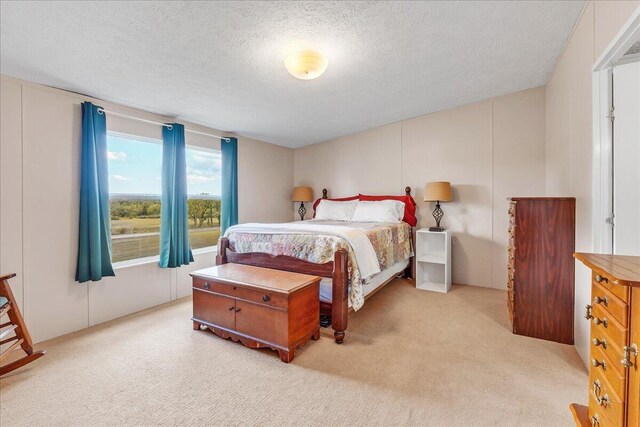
[(134, 185)]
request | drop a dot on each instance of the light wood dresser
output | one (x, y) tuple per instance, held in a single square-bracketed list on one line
[(614, 374), (541, 267)]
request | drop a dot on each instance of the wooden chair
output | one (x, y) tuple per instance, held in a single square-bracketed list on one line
[(16, 325)]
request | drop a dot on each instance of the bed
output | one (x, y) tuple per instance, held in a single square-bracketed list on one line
[(354, 259)]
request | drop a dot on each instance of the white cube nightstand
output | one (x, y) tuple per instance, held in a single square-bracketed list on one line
[(433, 260)]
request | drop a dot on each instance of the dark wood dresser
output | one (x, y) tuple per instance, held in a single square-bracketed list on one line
[(257, 306), (541, 267), (614, 374)]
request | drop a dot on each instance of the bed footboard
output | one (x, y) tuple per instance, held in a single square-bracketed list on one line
[(336, 270), (340, 296)]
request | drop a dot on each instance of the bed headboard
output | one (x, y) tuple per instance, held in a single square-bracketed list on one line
[(409, 210), (407, 192)]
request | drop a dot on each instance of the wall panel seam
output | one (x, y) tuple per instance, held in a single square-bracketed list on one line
[(493, 202), (24, 282), (401, 156)]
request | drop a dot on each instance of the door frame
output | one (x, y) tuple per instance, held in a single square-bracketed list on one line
[(603, 162)]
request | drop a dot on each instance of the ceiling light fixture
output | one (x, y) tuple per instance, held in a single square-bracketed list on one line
[(306, 64)]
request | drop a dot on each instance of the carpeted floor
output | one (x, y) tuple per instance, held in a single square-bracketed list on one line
[(410, 358)]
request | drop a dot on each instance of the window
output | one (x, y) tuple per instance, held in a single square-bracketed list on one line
[(203, 187), (134, 196), (135, 166)]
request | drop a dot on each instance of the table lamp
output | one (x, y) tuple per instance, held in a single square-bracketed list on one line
[(437, 192), (302, 194)]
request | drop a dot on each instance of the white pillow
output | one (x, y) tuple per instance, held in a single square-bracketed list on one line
[(335, 210), (378, 211), (399, 206)]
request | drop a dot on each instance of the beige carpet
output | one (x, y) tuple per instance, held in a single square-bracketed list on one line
[(410, 358)]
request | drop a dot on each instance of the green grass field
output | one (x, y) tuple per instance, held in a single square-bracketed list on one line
[(127, 243)]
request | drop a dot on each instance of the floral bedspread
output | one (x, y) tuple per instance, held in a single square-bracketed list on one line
[(391, 242)]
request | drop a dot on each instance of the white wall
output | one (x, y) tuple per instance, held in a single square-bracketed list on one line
[(489, 151), (39, 199), (569, 133)]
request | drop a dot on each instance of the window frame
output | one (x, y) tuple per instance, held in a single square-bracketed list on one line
[(154, 259)]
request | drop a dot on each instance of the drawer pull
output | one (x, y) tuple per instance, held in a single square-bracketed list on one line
[(601, 279), (628, 351), (266, 298), (595, 420), (206, 285), (231, 308), (602, 342), (603, 401), (237, 310), (597, 321), (597, 363), (588, 314), (604, 300)]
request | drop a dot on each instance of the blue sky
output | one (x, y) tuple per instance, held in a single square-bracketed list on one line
[(135, 167)]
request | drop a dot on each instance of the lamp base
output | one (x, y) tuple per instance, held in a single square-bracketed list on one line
[(302, 211), (438, 213)]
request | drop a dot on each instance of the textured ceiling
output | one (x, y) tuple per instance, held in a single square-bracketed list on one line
[(221, 63)]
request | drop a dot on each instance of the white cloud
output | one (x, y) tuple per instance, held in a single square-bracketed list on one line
[(203, 159), (199, 178), (116, 155), (120, 178)]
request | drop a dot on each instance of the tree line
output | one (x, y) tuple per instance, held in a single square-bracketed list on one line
[(201, 211)]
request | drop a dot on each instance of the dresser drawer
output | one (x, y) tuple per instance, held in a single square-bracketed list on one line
[(260, 296), (610, 415), (613, 350), (607, 368), (603, 321), (610, 303), (621, 292)]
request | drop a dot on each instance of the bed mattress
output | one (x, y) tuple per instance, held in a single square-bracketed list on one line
[(326, 285), (317, 240)]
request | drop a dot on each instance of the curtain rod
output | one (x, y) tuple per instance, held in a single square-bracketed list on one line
[(113, 113)]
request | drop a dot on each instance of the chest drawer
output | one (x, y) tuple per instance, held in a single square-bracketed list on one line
[(259, 296), (610, 303), (621, 292), (213, 286), (603, 322), (609, 414), (603, 366), (264, 297), (600, 340)]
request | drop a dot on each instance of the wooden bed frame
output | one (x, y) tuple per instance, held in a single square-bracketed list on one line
[(336, 270)]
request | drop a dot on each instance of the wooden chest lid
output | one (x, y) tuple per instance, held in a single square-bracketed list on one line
[(256, 277), (624, 269)]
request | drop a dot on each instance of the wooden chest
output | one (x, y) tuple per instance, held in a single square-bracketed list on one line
[(614, 374), (257, 306), (541, 267)]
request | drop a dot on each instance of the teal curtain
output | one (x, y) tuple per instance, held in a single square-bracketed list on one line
[(174, 225), (94, 237), (229, 214)]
